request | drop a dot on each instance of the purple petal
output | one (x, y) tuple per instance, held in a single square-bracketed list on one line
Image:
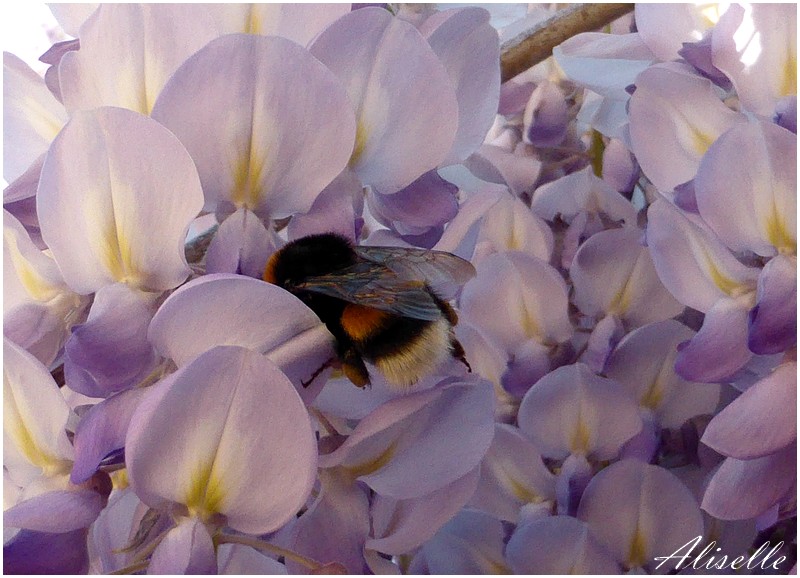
[(261, 160), (514, 96), (699, 55), (334, 210), (666, 27), (31, 117), (59, 511), (558, 545), (571, 410), (386, 65), (31, 552), (101, 431), (613, 274), (756, 47), (685, 198), (719, 349), (546, 116), (773, 321), (512, 474), (201, 454), (620, 168), (518, 170), (468, 46), (428, 202), (298, 22), (746, 189), (186, 549), (644, 363), (158, 39), (527, 363), (743, 489), (654, 513), (110, 352), (452, 430), (112, 182), (242, 245), (336, 526), (675, 115), (602, 341), (572, 479), (401, 526), (761, 421), (236, 560), (786, 113)]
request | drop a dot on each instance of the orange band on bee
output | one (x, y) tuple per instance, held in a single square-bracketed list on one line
[(361, 322), (269, 270)]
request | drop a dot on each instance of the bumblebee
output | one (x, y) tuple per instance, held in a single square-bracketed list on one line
[(384, 305)]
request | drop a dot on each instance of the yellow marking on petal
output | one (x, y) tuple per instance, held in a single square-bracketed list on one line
[(362, 133), (253, 24), (789, 76), (22, 437), (205, 495), (637, 555), (119, 479), (654, 395), (497, 567), (523, 493), (374, 464), (702, 141), (247, 174), (778, 235), (36, 285), (579, 444)]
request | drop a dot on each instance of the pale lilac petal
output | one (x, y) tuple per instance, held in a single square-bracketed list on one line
[(31, 117), (386, 65), (691, 261), (428, 202), (746, 188), (469, 48), (471, 543), (613, 274), (773, 321), (654, 513), (298, 22), (516, 297), (604, 63), (666, 27), (581, 191), (186, 549), (53, 57), (756, 46), (528, 362), (546, 116), (262, 90), (241, 245), (60, 511), (35, 416), (644, 363), (46, 553), (110, 351), (236, 310), (602, 341), (743, 489), (496, 165), (514, 96), (119, 180), (128, 52), (201, 454), (448, 428), (70, 16), (675, 115), (19, 199), (786, 113), (573, 411), (558, 545), (111, 532), (101, 431), (401, 526), (620, 168), (336, 526), (460, 236), (335, 210), (759, 422), (235, 560), (339, 398), (512, 475), (719, 349), (510, 225), (700, 55)]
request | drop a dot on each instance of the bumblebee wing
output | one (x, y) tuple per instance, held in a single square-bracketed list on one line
[(373, 285), (443, 272)]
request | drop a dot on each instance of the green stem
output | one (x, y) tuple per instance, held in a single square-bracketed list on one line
[(270, 548)]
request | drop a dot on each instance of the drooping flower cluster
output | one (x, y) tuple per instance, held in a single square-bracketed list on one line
[(630, 209)]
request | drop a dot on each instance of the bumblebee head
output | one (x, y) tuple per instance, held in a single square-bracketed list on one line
[(307, 257)]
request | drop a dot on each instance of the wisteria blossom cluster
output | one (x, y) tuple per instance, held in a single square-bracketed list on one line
[(629, 206)]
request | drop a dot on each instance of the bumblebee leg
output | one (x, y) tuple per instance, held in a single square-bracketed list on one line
[(321, 368), (458, 352), (354, 368)]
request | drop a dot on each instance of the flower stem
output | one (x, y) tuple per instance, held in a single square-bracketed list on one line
[(270, 548)]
